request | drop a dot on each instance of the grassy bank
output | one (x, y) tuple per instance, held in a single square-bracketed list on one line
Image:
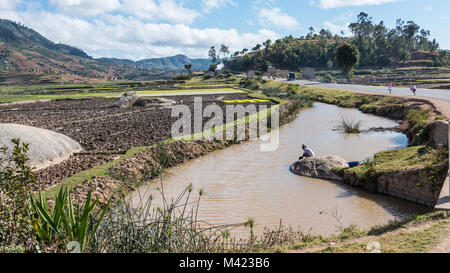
[(428, 162), (414, 234)]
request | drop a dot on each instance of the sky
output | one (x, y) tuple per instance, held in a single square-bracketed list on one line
[(140, 29)]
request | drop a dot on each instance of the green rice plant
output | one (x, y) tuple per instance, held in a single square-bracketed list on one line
[(66, 221)]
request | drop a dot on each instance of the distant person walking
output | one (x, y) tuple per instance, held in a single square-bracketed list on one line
[(307, 152), (414, 89), (390, 87)]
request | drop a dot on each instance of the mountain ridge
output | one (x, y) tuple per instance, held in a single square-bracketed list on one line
[(172, 63), (26, 56)]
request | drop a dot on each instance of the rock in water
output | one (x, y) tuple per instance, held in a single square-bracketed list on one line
[(319, 167), (127, 100), (47, 148)]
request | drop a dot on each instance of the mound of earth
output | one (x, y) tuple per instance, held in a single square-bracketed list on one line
[(46, 147), (319, 167), (127, 100), (161, 102)]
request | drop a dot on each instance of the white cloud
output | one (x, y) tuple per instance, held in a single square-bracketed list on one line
[(86, 7), (329, 4), (216, 4), (162, 10), (152, 10), (128, 37), (277, 18), (7, 9), (336, 29), (8, 4)]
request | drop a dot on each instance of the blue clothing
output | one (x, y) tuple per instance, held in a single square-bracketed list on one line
[(353, 164)]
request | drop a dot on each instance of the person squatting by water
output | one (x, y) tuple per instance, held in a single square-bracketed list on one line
[(307, 152)]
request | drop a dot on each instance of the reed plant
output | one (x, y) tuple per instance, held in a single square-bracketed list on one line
[(348, 125), (173, 226)]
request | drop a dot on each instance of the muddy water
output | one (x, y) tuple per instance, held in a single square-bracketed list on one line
[(242, 182)]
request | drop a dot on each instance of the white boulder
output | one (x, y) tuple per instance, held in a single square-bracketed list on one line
[(46, 147), (319, 167)]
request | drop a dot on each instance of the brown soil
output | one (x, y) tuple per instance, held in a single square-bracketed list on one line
[(98, 126), (75, 164), (143, 167), (147, 165)]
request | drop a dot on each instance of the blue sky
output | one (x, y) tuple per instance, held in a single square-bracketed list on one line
[(138, 29)]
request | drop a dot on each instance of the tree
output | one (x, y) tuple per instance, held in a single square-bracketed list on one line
[(409, 33), (404, 55), (213, 67), (267, 44), (188, 67), (212, 55), (266, 66), (378, 46), (257, 47), (224, 50), (347, 58)]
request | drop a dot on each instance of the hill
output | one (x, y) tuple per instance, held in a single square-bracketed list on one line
[(407, 45), (174, 63), (28, 57)]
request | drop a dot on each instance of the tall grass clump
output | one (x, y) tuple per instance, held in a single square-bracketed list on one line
[(348, 126), (172, 227), (418, 129), (67, 222)]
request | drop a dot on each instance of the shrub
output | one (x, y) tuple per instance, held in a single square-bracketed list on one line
[(418, 125), (181, 77), (16, 180), (65, 221), (251, 84), (417, 117), (293, 88), (271, 91)]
